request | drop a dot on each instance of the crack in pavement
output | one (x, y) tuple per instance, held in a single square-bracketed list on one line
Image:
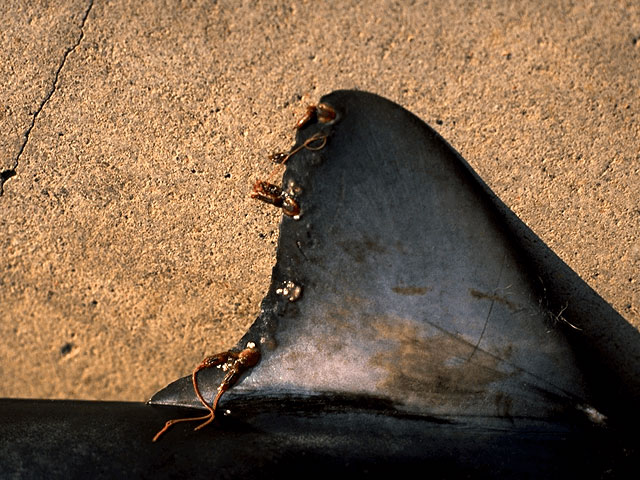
[(11, 172)]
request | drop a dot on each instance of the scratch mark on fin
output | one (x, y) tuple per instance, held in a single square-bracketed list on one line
[(493, 301)]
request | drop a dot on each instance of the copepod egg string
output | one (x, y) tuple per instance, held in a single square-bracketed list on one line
[(306, 144)]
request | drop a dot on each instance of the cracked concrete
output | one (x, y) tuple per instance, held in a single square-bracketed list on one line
[(11, 171), (128, 245), (23, 12)]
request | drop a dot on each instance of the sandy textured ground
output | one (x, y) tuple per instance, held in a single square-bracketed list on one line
[(128, 245)]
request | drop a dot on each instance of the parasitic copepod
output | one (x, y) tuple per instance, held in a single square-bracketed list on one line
[(234, 364), (322, 112), (273, 194), (314, 143)]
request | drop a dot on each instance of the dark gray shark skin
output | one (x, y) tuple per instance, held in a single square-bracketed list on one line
[(427, 333), (287, 438)]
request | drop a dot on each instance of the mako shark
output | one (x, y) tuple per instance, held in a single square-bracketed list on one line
[(412, 320)]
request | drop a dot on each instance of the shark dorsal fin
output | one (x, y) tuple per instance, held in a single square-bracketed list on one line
[(410, 288)]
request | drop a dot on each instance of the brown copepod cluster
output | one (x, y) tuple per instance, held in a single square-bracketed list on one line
[(234, 363), (271, 193)]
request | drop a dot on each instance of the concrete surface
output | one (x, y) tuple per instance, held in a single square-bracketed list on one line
[(131, 132)]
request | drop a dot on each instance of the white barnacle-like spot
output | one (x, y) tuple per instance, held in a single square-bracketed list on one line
[(293, 188), (594, 415), (251, 345), (290, 290)]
